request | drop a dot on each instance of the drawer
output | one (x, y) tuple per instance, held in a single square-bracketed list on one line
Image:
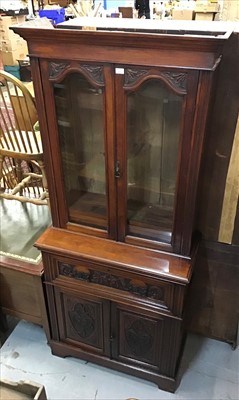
[(70, 273)]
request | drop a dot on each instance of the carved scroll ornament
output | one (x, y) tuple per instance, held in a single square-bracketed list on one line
[(95, 72), (177, 80), (56, 69)]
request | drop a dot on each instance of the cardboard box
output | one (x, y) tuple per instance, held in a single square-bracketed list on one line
[(127, 12), (61, 3), (11, 45), (22, 390), (7, 34), (6, 21), (182, 14), (11, 57), (205, 6), (204, 16)]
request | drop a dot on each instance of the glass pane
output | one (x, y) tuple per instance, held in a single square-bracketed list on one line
[(153, 127), (79, 109)]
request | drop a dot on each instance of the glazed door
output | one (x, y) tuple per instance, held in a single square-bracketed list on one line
[(127, 151), (155, 124), (80, 97)]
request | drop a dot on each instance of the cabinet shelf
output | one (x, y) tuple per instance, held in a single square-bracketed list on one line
[(89, 208)]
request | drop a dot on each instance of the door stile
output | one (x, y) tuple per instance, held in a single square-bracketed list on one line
[(121, 146), (114, 330), (110, 146), (60, 208), (183, 207)]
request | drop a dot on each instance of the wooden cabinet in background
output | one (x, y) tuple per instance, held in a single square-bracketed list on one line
[(122, 116)]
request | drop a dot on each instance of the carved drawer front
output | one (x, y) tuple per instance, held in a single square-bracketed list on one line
[(145, 340), (160, 292), (81, 321)]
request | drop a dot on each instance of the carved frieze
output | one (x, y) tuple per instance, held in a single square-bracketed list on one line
[(69, 270), (114, 281)]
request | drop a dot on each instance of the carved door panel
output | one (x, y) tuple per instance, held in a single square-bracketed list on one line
[(141, 339), (83, 321)]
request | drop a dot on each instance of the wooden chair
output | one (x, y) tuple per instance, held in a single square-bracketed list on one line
[(22, 172)]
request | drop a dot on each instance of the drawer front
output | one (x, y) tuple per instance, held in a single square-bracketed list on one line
[(166, 295)]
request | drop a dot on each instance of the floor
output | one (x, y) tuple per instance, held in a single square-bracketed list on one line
[(210, 371)]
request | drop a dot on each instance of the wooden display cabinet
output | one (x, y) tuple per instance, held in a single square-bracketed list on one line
[(123, 113)]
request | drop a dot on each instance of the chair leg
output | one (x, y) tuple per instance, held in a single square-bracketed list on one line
[(19, 174), (44, 181), (1, 168)]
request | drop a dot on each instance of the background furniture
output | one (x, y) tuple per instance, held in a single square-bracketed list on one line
[(22, 390), (120, 256), (21, 269), (127, 12), (20, 141), (214, 296)]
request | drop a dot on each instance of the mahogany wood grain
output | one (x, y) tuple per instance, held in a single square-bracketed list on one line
[(114, 299), (171, 51), (164, 265), (45, 134)]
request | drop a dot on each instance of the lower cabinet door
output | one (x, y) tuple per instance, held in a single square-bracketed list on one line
[(83, 321), (129, 334), (145, 339)]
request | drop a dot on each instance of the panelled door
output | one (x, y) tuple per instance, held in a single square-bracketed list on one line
[(129, 334), (83, 321)]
